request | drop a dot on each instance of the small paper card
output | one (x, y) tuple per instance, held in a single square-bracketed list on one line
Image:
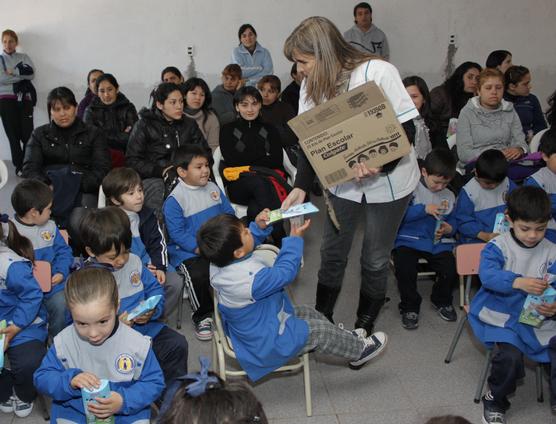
[(501, 224), (90, 395), (144, 306), (297, 210), (529, 315)]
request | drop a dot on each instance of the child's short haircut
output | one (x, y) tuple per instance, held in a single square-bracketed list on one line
[(104, 229), (30, 194), (440, 162), (186, 153), (119, 181), (529, 204), (233, 70), (90, 284), (219, 237), (492, 166), (547, 144), (272, 80)]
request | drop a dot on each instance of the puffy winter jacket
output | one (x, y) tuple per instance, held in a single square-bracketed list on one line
[(112, 120), (80, 146), (154, 140)]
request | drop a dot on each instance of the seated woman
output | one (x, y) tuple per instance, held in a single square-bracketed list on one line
[(198, 101), (254, 59), (448, 99), (171, 74), (499, 59), (489, 122), (90, 93), (114, 115), (156, 136), (527, 106), (249, 142), (67, 154)]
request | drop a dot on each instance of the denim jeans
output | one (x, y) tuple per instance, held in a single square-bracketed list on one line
[(380, 226)]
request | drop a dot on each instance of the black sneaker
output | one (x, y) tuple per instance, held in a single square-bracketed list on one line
[(410, 320), (373, 346), (447, 313), (492, 414)]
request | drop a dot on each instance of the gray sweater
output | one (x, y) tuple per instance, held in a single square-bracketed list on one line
[(223, 105), (11, 61), (480, 129), (373, 41), (210, 128)]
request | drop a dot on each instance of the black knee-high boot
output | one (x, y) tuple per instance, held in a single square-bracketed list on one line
[(326, 299), (367, 312)]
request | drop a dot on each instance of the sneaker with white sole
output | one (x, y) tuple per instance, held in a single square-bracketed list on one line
[(447, 313), (204, 329), (492, 412), (374, 344), (7, 406), (22, 409), (410, 320)]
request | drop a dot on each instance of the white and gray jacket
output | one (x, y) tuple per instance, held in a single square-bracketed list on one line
[(10, 61)]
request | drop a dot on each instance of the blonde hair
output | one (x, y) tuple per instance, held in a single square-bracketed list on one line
[(91, 284), (490, 73), (334, 57)]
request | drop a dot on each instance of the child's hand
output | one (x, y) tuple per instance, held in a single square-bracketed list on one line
[(158, 273), (85, 380), (123, 319), (434, 210), (547, 309), (534, 286), (262, 219), (445, 228), (486, 237), (144, 318), (299, 230), (105, 408), (57, 278), (10, 332)]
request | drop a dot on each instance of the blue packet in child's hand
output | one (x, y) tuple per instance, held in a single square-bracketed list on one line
[(90, 395), (144, 306), (2, 341), (529, 314), (501, 224)]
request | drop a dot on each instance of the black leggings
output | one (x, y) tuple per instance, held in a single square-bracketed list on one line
[(17, 119)]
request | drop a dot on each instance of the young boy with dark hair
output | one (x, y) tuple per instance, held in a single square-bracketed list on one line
[(191, 203), (545, 178), (123, 188), (265, 328), (32, 203), (514, 265), (427, 221), (483, 197), (223, 94), (106, 235)]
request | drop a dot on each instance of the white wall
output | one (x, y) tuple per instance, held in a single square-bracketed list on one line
[(135, 39)]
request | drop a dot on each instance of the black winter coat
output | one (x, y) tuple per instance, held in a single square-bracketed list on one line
[(112, 120), (154, 140), (80, 146)]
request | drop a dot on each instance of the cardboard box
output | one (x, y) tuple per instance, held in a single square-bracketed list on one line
[(359, 125)]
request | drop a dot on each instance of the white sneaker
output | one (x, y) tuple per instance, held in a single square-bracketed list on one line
[(22, 409), (7, 406), (204, 329)]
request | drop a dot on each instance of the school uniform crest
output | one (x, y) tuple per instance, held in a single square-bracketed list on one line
[(215, 195), (135, 278), (125, 364), (46, 235)]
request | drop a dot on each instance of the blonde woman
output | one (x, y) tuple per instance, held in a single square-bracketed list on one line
[(330, 66)]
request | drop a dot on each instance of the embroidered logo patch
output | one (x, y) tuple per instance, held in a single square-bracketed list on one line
[(215, 195), (125, 363), (135, 278), (46, 235)]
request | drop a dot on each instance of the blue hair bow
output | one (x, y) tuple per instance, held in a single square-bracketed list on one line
[(4, 218), (202, 379)]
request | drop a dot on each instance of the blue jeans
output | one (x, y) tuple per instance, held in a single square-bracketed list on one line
[(380, 226), (56, 309)]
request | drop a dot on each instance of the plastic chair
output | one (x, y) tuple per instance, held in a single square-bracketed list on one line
[(3, 174), (241, 210), (222, 345), (536, 140), (101, 198), (468, 259)]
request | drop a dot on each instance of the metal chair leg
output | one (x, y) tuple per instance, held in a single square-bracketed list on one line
[(180, 308), (483, 377), (455, 340), (538, 378)]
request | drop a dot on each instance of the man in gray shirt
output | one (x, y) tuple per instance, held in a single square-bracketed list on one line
[(364, 35)]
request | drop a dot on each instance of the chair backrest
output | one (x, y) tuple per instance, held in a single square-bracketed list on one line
[(536, 140), (101, 198), (3, 174), (468, 258), (42, 271)]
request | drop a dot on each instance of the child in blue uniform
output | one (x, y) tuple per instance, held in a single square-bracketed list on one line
[(99, 346), (513, 265), (427, 223), (483, 197), (21, 306), (191, 203), (265, 328), (123, 187), (107, 239), (32, 203), (546, 177)]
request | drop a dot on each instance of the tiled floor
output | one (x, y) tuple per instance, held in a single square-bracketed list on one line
[(406, 385)]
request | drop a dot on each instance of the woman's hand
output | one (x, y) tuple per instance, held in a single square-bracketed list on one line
[(361, 170), (296, 197), (512, 153)]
